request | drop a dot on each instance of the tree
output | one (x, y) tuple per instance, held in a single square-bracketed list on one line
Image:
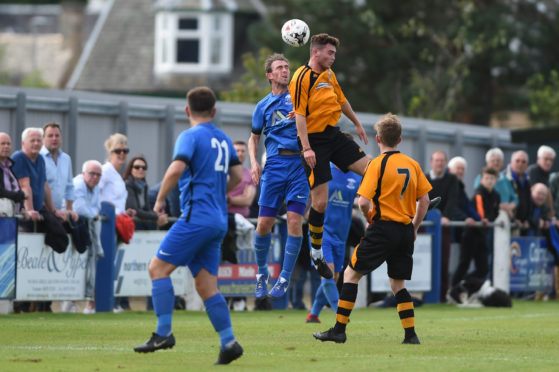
[(544, 99), (454, 60), (253, 85)]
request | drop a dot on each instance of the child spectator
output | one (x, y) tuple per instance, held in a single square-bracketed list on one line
[(474, 243)]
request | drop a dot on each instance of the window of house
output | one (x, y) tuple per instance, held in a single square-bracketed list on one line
[(193, 42)]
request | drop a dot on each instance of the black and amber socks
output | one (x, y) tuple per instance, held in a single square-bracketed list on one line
[(316, 227), (405, 311), (345, 305)]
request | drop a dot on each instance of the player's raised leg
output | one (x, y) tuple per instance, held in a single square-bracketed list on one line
[(319, 201)]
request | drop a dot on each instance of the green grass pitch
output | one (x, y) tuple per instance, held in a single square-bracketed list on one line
[(524, 338)]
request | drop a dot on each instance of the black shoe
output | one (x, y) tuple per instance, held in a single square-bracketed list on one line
[(434, 203), (156, 342), (412, 340), (228, 355), (322, 268), (453, 295), (330, 335)]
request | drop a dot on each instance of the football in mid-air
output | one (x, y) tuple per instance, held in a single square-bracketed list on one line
[(295, 32)]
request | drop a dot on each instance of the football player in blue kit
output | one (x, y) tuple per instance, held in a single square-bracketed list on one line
[(342, 189), (283, 177), (203, 160)]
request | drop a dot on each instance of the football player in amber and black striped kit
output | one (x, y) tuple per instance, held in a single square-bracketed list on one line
[(318, 102), (398, 190)]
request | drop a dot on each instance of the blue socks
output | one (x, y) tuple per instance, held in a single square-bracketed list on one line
[(261, 247), (331, 292), (163, 304), (218, 312), (292, 247), (327, 293), (319, 302)]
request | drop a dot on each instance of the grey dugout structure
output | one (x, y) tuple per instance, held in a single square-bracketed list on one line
[(153, 123)]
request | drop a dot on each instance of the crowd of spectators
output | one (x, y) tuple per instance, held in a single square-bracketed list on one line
[(529, 195), (37, 180)]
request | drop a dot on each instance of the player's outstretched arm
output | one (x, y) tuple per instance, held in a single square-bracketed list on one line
[(256, 170), (348, 111), (235, 176)]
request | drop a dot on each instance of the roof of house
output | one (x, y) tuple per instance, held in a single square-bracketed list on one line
[(121, 55)]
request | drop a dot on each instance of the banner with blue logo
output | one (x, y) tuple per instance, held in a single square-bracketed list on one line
[(8, 238), (240, 279), (531, 265)]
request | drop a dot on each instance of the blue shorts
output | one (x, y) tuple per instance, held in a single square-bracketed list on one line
[(334, 252), (195, 246), (283, 178)]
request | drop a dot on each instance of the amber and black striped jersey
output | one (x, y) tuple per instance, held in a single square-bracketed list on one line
[(317, 96), (394, 182)]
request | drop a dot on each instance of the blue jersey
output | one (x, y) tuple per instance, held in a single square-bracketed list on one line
[(270, 117), (342, 189), (208, 153)]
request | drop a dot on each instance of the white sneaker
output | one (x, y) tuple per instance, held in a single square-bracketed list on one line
[(118, 309), (74, 308), (68, 307), (89, 310), (239, 305)]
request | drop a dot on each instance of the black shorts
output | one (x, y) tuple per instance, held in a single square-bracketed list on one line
[(385, 241), (330, 146)]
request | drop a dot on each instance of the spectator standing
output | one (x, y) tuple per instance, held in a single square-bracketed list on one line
[(60, 178), (495, 158), (474, 243), (238, 201), (112, 188), (445, 185), (240, 198), (516, 174), (59, 171), (464, 211), (87, 204), (540, 171), (9, 187)]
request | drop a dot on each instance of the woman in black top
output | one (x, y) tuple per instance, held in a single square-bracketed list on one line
[(136, 185)]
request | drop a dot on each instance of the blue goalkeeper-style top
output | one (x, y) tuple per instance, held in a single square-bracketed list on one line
[(270, 117)]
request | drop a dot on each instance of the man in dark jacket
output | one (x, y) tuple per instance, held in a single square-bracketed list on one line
[(444, 185), (516, 173)]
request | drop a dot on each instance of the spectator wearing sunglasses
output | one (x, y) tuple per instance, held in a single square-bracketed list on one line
[(137, 187), (113, 189), (112, 186)]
